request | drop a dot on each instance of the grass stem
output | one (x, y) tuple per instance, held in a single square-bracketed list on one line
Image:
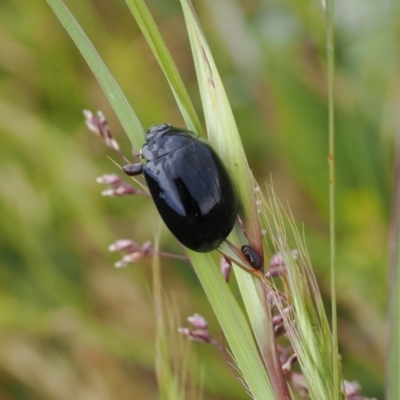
[(330, 50)]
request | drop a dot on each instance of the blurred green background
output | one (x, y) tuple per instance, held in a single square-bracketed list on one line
[(74, 327)]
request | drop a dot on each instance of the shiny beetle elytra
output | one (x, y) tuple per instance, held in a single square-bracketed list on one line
[(190, 186)]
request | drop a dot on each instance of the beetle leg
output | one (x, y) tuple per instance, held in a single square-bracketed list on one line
[(133, 169)]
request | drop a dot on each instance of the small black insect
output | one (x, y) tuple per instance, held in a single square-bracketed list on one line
[(252, 257), (189, 185)]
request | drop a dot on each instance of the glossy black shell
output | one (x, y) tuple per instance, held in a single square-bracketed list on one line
[(252, 257), (190, 187)]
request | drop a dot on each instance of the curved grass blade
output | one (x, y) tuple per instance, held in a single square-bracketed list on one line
[(234, 326), (118, 101), (221, 126), (150, 31), (225, 137)]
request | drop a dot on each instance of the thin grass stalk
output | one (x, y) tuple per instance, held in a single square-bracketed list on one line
[(330, 52), (303, 313), (168, 384)]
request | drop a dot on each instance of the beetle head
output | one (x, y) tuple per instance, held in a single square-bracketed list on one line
[(157, 130)]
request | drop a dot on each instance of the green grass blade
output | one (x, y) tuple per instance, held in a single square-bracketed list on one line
[(258, 309), (118, 101), (224, 135), (169, 385), (234, 326), (154, 39), (221, 126), (306, 323), (330, 53)]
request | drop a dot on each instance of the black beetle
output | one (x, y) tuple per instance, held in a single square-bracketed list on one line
[(190, 186), (254, 259)]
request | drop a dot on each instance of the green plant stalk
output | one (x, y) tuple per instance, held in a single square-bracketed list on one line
[(304, 316), (118, 101), (228, 311), (224, 135), (234, 326), (225, 305), (221, 126), (330, 52), (154, 39), (259, 311), (168, 383)]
